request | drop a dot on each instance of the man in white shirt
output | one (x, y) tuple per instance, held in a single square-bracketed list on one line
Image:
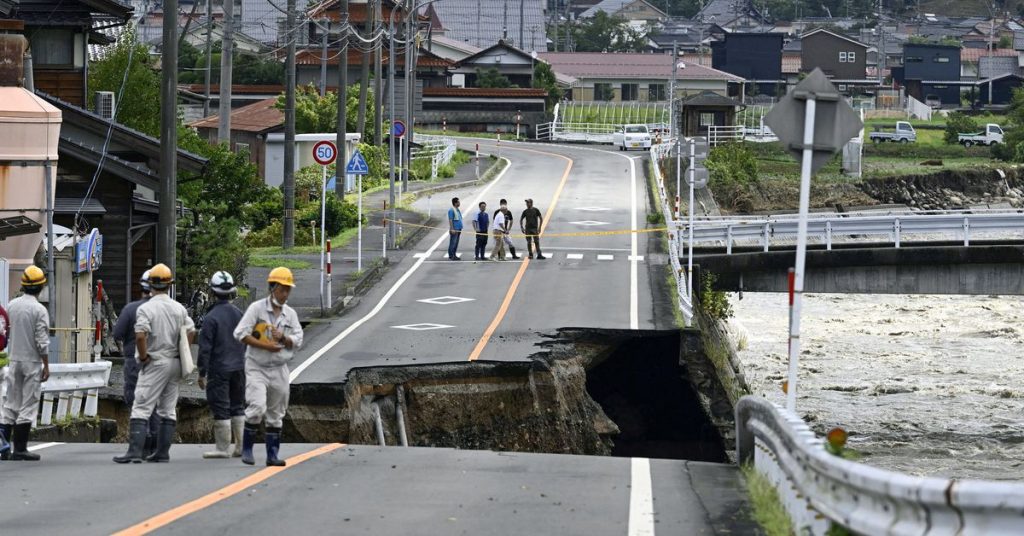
[(498, 226)]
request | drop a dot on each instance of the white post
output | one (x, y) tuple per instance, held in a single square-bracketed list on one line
[(477, 158), (323, 231), (679, 172), (801, 253), (693, 176), (401, 153), (384, 242), (359, 228)]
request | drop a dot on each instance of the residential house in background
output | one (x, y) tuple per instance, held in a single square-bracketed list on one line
[(1001, 87), (631, 10), (754, 57), (972, 58), (705, 110), (931, 71), (739, 15), (484, 23), (472, 109), (838, 56), (511, 62), (626, 77), (250, 125)]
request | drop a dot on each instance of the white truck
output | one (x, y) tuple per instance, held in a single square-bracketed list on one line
[(992, 135), (629, 137), (904, 133)]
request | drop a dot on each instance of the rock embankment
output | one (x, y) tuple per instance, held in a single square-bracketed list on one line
[(951, 189)]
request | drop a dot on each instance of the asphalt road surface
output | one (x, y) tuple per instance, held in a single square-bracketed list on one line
[(432, 310), (338, 489)]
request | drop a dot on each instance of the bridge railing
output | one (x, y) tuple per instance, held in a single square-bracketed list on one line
[(75, 386), (439, 149), (818, 488), (894, 227), (659, 152)]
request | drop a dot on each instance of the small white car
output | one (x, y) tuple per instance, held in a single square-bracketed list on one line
[(632, 137)]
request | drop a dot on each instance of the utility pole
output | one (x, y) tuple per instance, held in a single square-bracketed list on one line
[(410, 94), (167, 235), (364, 80), (342, 160), (323, 60), (209, 54), (991, 45), (881, 46), (289, 131), (672, 91), (378, 94), (391, 121), (522, 21), (226, 54)]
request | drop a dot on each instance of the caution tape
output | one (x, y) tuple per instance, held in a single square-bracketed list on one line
[(544, 235)]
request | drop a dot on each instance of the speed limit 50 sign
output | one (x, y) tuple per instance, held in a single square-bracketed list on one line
[(325, 152)]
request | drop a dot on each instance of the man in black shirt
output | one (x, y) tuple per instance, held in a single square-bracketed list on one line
[(530, 223)]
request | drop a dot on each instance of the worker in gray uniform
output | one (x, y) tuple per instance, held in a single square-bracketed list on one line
[(29, 366), (222, 368), (272, 332), (158, 326), (124, 331)]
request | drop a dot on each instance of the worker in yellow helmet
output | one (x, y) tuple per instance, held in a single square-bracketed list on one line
[(28, 348), (271, 330), (158, 325)]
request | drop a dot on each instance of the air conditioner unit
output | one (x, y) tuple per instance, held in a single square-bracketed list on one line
[(104, 101)]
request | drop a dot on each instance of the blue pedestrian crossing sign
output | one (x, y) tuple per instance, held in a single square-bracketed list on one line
[(357, 165)]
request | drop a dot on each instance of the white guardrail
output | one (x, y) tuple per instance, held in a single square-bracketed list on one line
[(818, 488), (586, 132), (439, 149), (959, 225), (71, 384), (660, 151)]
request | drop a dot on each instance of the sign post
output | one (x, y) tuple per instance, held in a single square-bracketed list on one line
[(324, 153), (397, 132), (357, 166), (813, 122)]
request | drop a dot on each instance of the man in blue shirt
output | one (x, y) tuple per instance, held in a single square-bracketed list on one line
[(481, 226), (222, 368), (454, 229)]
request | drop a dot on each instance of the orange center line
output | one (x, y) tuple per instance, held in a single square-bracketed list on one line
[(489, 332), (189, 508)]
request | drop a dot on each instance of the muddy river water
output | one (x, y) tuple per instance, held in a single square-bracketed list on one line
[(928, 385)]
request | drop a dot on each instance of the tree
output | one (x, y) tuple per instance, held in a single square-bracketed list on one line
[(491, 77), (139, 104), (544, 78), (605, 33), (1012, 149), (956, 124), (247, 68), (314, 113)]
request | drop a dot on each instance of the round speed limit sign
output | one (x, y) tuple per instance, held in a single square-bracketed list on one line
[(324, 152)]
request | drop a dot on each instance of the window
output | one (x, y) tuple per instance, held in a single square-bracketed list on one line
[(913, 59), (842, 87), (707, 119), (603, 92), (630, 92), (941, 59), (656, 92), (239, 147), (842, 57), (53, 47), (851, 57)]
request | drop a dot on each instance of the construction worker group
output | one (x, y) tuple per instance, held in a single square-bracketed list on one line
[(242, 364)]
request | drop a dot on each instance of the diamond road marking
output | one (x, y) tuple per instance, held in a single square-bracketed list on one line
[(606, 257), (589, 223), (593, 209), (574, 256), (446, 300), (423, 327), (638, 258)]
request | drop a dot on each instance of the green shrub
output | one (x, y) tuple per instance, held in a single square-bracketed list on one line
[(714, 303), (732, 163), (339, 215), (925, 152), (956, 124), (273, 235)]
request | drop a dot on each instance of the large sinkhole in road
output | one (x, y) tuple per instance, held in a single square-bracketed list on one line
[(644, 391)]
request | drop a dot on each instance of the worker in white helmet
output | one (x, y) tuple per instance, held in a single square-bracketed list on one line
[(222, 368)]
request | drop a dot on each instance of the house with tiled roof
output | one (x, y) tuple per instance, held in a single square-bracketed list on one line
[(733, 14), (838, 56), (625, 77), (511, 62), (631, 10), (972, 58), (482, 23)]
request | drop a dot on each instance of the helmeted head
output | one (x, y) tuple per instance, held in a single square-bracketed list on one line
[(160, 277), (33, 279), (281, 282), (144, 283), (222, 284)]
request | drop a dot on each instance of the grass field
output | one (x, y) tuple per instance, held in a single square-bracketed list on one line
[(614, 113)]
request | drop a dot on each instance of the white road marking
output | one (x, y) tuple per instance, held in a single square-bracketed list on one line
[(42, 446), (584, 249), (419, 255), (574, 256), (444, 254), (641, 499), (593, 209), (606, 257), (424, 326), (634, 310), (446, 300), (392, 291), (637, 258), (589, 223)]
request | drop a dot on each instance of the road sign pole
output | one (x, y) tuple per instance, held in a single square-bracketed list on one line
[(323, 233), (359, 228), (801, 250)]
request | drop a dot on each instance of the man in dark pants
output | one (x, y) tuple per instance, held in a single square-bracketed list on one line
[(482, 227), (508, 228), (530, 223), (454, 229), (124, 331), (222, 368)]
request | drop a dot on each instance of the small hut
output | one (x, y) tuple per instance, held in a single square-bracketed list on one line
[(706, 109)]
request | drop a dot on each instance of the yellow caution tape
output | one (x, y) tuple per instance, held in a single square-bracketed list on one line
[(545, 235)]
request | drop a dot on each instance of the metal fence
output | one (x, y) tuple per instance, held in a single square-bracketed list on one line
[(725, 133), (818, 488), (660, 152), (439, 149), (74, 386)]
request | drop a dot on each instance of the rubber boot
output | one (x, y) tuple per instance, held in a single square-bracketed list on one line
[(273, 446), (248, 439), (137, 429), (5, 438), (163, 442), (237, 427), (513, 250), (20, 441), (222, 438), (152, 431)]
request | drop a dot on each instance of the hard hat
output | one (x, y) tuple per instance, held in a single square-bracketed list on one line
[(144, 281), (281, 276), (222, 284), (160, 277), (33, 277)]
